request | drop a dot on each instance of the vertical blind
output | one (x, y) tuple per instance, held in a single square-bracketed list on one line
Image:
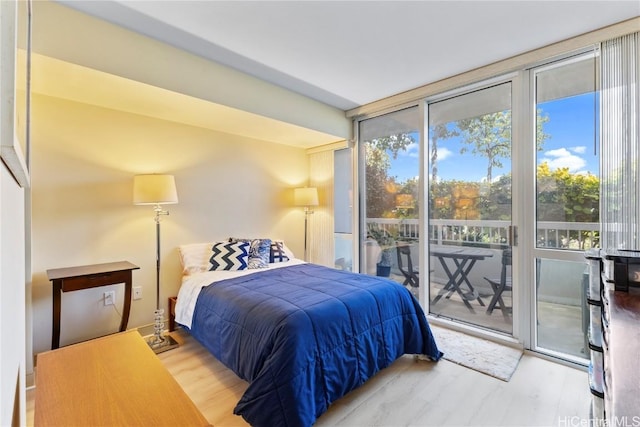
[(620, 144)]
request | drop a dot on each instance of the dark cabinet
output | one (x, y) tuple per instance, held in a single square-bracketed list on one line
[(614, 336)]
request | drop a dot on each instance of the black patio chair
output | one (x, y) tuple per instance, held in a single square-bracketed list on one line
[(501, 284), (410, 274)]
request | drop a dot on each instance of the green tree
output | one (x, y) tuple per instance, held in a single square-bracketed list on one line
[(495, 203), (438, 132), (567, 197), (377, 181), (380, 187), (393, 143), (490, 136), (409, 188), (440, 203)]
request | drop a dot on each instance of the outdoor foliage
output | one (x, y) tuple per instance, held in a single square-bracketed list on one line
[(561, 196), (381, 189), (489, 136), (379, 200), (567, 197)]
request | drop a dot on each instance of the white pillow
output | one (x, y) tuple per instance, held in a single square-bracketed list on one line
[(195, 257)]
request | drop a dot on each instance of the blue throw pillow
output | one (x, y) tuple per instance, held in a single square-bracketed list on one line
[(229, 256), (258, 251)]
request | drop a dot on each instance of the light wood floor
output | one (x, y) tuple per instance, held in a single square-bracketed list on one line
[(408, 393)]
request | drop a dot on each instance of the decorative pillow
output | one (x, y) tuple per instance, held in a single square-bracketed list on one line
[(229, 256), (195, 257), (288, 252), (277, 253), (258, 251)]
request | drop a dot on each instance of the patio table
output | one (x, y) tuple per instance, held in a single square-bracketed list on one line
[(464, 258)]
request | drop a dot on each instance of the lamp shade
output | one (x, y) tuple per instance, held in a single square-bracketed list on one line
[(154, 189), (307, 196)]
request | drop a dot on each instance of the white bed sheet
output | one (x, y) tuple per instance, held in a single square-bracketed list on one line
[(192, 284)]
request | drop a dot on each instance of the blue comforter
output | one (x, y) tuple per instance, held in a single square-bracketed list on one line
[(303, 336)]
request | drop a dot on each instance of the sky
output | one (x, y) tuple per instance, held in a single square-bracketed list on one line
[(571, 145)]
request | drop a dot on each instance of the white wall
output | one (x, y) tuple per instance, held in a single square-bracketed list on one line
[(12, 301), (12, 241), (84, 160)]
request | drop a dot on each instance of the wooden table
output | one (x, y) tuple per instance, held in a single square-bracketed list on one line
[(86, 277), (115, 380), (464, 258)]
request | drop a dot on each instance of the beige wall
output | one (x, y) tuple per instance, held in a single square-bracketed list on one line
[(84, 160), (99, 45)]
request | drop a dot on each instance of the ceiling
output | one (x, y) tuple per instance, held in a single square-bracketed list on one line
[(349, 53)]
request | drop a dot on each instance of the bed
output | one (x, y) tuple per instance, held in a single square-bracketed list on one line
[(302, 335)]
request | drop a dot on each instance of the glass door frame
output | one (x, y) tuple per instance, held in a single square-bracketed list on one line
[(529, 251), (523, 156), (515, 79)]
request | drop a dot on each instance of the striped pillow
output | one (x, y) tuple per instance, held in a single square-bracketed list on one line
[(258, 251), (229, 256), (277, 253)]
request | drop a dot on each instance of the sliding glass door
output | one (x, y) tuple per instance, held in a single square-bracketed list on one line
[(497, 208), (567, 203), (470, 218)]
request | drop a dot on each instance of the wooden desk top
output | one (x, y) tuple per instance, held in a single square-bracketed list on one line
[(115, 380), (85, 270)]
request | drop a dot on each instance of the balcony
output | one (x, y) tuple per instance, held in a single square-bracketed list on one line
[(560, 288), (553, 235)]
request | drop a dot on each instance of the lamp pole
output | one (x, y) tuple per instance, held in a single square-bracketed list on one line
[(156, 190), (307, 211), (158, 342)]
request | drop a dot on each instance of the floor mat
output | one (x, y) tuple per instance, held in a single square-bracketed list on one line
[(497, 360)]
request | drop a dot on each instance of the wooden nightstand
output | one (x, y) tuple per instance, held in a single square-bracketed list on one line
[(87, 277), (172, 313)]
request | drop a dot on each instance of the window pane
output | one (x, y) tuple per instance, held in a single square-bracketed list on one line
[(567, 201), (567, 181), (390, 166), (343, 212)]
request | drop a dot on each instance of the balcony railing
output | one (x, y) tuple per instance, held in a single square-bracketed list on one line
[(555, 235)]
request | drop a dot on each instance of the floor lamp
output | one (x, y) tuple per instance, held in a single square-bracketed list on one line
[(157, 190), (307, 197)]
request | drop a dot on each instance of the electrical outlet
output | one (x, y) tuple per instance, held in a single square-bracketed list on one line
[(137, 292), (110, 298)]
